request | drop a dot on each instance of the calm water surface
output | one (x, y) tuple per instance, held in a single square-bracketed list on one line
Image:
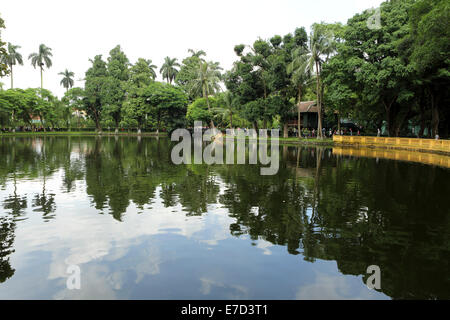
[(140, 227)]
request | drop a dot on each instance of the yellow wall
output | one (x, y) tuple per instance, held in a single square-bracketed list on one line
[(400, 143), (402, 155)]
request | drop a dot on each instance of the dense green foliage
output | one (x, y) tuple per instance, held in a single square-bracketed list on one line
[(397, 73), (393, 76), (3, 53), (20, 107)]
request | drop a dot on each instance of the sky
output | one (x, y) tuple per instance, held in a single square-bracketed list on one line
[(78, 30)]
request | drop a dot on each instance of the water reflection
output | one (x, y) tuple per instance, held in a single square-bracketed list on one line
[(7, 227), (141, 227)]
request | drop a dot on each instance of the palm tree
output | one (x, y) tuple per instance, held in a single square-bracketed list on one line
[(206, 81), (229, 103), (300, 77), (197, 54), (11, 58), (228, 110), (67, 80), (152, 68), (321, 46), (41, 58), (169, 70)]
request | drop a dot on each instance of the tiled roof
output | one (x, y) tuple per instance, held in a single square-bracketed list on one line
[(307, 106)]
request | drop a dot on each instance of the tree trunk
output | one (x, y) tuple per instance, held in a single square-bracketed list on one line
[(434, 117), (12, 82), (389, 124), (339, 123), (209, 108), (231, 120), (299, 124), (97, 123), (42, 79), (422, 120), (158, 125), (42, 122), (285, 130), (390, 118), (13, 121), (319, 105)]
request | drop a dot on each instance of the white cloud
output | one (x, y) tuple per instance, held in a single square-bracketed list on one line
[(336, 287)]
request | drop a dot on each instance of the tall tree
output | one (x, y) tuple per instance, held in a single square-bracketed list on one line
[(169, 69), (228, 99), (430, 53), (67, 80), (223, 108), (11, 58), (260, 81), (321, 46), (206, 81), (73, 101), (370, 67), (41, 105), (188, 70), (142, 73), (94, 98), (41, 59), (198, 54), (300, 77), (167, 104), (244, 81), (115, 85), (3, 65)]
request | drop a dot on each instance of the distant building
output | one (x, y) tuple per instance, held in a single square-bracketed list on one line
[(36, 120), (309, 118), (308, 115)]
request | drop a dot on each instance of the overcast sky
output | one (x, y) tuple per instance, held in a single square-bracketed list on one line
[(79, 30)]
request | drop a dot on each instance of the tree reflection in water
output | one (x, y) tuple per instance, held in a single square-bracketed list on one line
[(355, 211)]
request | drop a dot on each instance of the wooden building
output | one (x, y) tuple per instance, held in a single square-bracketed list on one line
[(308, 115)]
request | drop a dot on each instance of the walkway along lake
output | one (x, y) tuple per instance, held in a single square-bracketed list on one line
[(140, 227)]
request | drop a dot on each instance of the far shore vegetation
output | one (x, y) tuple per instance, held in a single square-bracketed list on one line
[(392, 78)]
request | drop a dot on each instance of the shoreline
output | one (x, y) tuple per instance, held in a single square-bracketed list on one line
[(81, 133), (384, 148), (327, 142), (293, 141), (440, 147)]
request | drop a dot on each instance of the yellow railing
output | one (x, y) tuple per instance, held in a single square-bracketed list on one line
[(399, 143), (402, 155)]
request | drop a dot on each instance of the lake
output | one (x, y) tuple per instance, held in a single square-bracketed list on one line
[(140, 227)]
